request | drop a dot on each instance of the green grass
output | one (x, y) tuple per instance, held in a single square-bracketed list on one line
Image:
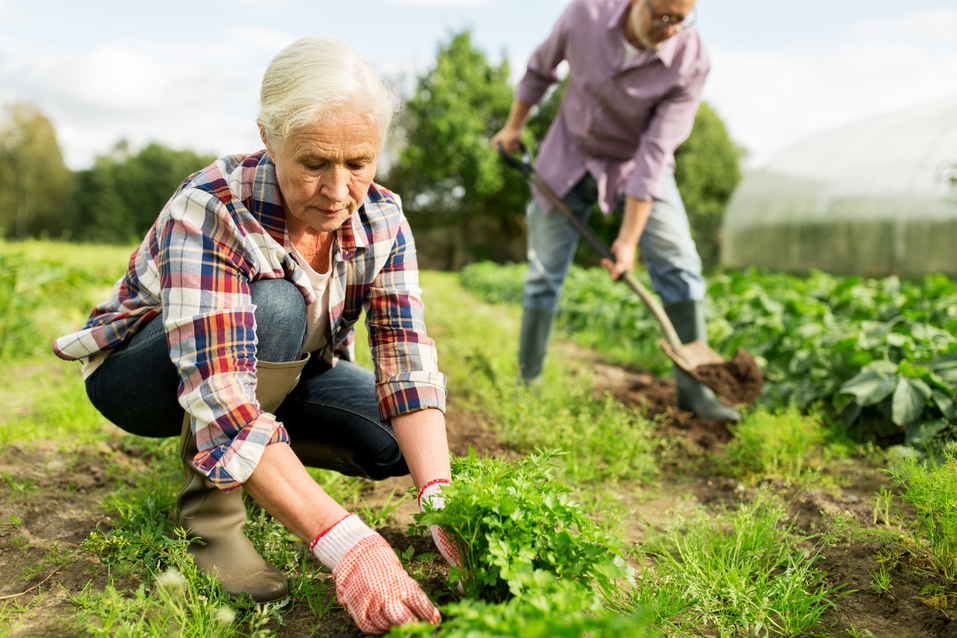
[(602, 439), (747, 572)]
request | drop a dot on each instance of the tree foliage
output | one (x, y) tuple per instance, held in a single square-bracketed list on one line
[(463, 202), (120, 196), (35, 183)]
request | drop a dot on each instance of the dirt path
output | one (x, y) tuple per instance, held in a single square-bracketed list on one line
[(56, 495)]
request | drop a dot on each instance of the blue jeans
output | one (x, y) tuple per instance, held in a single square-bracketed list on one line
[(669, 252), (136, 385)]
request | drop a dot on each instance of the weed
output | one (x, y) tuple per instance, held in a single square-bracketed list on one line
[(785, 444), (19, 487), (178, 604), (15, 521), (938, 596), (855, 632), (882, 507), (932, 490), (880, 579), (744, 570), (376, 514)]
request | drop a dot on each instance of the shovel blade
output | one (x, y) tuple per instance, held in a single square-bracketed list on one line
[(739, 380), (691, 355)]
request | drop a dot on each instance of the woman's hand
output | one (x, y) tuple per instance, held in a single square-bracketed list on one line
[(432, 494), (370, 581)]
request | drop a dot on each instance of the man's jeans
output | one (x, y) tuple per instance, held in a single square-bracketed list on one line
[(666, 246), (136, 386)]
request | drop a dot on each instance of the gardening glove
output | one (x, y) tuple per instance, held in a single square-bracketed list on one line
[(432, 494), (370, 581)]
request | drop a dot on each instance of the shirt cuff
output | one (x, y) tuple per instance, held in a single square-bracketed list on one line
[(231, 464)]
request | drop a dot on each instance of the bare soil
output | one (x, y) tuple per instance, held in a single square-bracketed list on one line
[(56, 490)]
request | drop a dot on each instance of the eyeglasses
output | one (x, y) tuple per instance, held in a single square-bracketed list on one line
[(664, 20)]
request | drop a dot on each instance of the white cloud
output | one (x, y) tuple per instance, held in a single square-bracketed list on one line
[(771, 100)]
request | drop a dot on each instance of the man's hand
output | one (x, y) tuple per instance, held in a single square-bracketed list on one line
[(624, 253), (511, 133), (508, 138), (432, 494), (370, 581), (624, 248)]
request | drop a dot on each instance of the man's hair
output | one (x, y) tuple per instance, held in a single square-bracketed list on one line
[(317, 78)]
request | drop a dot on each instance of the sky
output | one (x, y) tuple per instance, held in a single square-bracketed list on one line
[(186, 74)]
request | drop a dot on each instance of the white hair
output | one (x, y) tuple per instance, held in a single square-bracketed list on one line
[(317, 78)]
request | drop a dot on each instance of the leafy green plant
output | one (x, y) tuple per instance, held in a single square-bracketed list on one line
[(511, 520), (874, 349), (548, 607)]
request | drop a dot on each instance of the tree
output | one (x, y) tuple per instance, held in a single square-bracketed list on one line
[(460, 197), (35, 183), (119, 198)]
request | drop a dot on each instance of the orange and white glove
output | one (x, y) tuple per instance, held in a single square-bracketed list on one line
[(432, 494), (370, 581)]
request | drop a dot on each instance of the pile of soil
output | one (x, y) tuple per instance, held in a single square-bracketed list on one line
[(738, 381)]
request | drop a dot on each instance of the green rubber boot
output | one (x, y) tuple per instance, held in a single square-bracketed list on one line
[(534, 339), (694, 396)]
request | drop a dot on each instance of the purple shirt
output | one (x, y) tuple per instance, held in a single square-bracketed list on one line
[(620, 123)]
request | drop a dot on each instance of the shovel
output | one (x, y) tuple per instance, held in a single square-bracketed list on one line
[(739, 380)]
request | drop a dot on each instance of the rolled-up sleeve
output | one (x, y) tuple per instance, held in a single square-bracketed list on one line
[(210, 326), (405, 358)]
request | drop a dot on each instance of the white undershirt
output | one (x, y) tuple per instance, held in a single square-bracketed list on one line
[(317, 313), (628, 52)]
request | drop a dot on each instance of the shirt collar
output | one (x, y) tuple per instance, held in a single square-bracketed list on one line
[(665, 53)]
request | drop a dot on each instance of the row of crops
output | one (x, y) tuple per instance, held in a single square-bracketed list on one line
[(879, 353)]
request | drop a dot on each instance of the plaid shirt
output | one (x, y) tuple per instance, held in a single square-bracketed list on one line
[(619, 122), (224, 228)]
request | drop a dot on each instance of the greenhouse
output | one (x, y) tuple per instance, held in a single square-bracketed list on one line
[(872, 198)]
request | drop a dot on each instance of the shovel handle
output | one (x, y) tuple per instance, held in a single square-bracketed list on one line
[(525, 166)]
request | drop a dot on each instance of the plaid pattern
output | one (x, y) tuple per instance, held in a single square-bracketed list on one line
[(223, 228), (621, 123)]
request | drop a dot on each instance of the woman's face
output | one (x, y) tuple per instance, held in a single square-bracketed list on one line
[(324, 170)]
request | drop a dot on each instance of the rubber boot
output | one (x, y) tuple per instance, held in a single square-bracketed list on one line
[(534, 339), (694, 396), (218, 518), (327, 456)]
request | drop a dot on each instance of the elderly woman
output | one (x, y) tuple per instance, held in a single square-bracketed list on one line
[(233, 328)]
